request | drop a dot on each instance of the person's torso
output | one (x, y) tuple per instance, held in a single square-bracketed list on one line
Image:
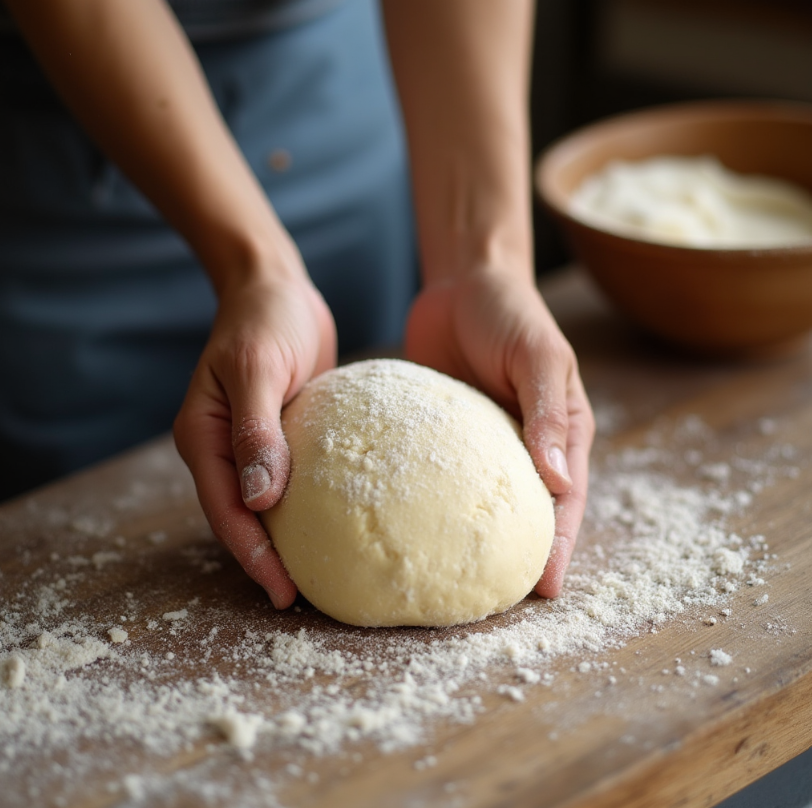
[(206, 20)]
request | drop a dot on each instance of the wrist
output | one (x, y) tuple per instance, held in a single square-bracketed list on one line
[(492, 252), (238, 257), (477, 220)]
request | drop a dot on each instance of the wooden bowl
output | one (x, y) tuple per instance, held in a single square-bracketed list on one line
[(710, 300)]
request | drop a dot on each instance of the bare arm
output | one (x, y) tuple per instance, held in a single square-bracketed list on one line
[(130, 76), (462, 71), (461, 68)]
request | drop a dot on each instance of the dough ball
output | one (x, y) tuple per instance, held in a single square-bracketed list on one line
[(412, 499)]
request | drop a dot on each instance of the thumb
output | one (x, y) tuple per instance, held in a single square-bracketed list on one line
[(543, 400), (263, 460), (261, 453)]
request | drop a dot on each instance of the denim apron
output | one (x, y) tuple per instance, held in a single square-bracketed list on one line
[(104, 310)]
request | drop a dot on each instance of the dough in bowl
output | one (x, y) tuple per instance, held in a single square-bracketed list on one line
[(412, 500)]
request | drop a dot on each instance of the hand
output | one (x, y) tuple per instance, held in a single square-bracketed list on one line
[(494, 331), (268, 340)]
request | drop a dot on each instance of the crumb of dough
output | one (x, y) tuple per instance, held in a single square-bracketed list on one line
[(12, 672), (117, 635), (720, 658), (239, 729)]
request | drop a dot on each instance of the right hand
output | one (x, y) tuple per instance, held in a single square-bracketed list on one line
[(269, 338), (492, 329)]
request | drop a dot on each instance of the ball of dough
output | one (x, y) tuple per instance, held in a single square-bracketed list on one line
[(412, 499)]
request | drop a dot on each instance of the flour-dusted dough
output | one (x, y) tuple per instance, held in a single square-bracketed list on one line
[(412, 499)]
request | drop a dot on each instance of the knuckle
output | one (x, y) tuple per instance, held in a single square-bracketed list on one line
[(243, 361), (553, 349), (548, 424), (250, 436), (583, 425), (555, 417), (247, 359), (181, 431), (576, 499), (589, 425)]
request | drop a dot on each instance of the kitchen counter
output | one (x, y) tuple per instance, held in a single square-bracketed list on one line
[(139, 665)]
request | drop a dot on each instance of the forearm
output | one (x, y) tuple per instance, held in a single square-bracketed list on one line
[(129, 75), (462, 70)]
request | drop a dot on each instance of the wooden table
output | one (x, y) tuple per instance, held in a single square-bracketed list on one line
[(130, 532)]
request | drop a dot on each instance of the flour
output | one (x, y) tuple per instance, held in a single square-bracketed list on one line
[(212, 675), (105, 557), (695, 202)]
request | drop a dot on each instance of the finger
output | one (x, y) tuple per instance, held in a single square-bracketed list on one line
[(262, 458), (570, 507), (542, 394), (240, 531), (255, 389), (568, 515), (203, 440)]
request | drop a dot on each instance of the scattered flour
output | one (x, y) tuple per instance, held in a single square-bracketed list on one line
[(68, 680), (720, 658), (105, 557)]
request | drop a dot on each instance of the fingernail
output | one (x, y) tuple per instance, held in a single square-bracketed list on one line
[(255, 482), (558, 461)]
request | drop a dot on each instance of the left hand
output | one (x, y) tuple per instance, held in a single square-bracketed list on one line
[(493, 330), (269, 338)]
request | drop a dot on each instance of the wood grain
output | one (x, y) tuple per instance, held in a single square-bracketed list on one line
[(581, 744)]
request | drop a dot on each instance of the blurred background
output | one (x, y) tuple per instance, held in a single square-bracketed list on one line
[(594, 58)]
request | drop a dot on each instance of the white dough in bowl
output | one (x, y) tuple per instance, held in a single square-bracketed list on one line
[(412, 499), (694, 202)]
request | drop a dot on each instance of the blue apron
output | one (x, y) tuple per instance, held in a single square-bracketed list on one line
[(103, 309)]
